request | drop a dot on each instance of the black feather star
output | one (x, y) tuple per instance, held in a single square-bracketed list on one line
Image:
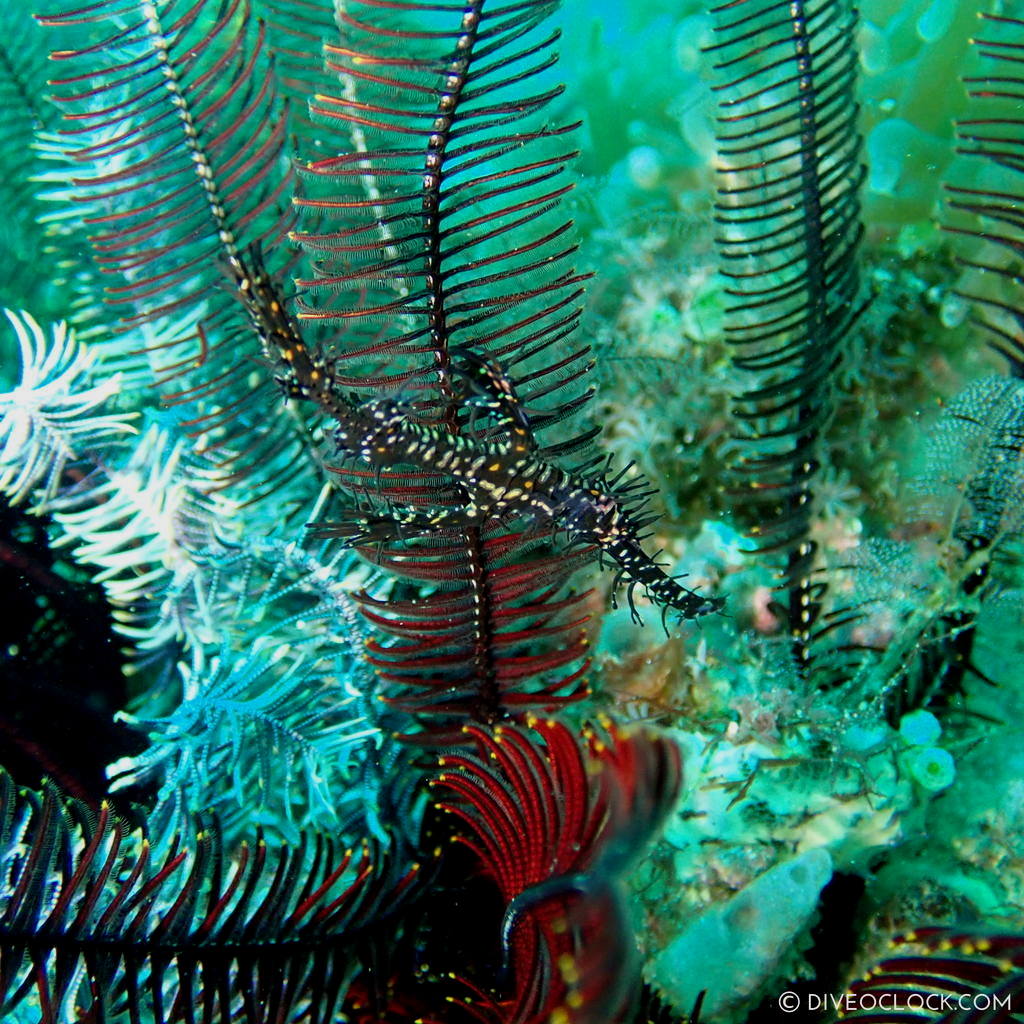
[(93, 919), (945, 975), (422, 235), (991, 138), (788, 212), (490, 478), (429, 368), (440, 198)]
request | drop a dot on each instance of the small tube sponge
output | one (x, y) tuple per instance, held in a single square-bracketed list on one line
[(920, 728), (932, 767), (929, 766), (737, 946)]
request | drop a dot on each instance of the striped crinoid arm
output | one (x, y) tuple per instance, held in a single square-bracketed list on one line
[(97, 924), (436, 235), (297, 32), (985, 211), (439, 227), (789, 226), (178, 153), (495, 637), (944, 975), (553, 820)]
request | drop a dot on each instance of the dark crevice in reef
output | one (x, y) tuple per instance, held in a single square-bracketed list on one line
[(61, 667), (834, 944)]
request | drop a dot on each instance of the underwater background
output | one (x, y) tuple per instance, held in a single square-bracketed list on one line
[(493, 539)]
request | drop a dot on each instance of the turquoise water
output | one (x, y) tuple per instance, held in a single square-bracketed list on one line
[(348, 673)]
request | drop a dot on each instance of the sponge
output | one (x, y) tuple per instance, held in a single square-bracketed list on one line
[(733, 948)]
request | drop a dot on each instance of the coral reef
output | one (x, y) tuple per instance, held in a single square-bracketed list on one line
[(327, 397)]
